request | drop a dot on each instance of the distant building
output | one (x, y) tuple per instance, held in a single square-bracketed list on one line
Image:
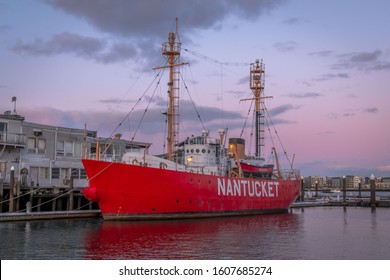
[(386, 182), (50, 156), (337, 182), (312, 181), (353, 181)]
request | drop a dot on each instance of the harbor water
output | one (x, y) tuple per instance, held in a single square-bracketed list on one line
[(312, 233)]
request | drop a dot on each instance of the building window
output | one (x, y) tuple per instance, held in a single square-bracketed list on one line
[(2, 170), (3, 130), (75, 173), (69, 149), (36, 145), (83, 174), (77, 149), (55, 173), (37, 173)]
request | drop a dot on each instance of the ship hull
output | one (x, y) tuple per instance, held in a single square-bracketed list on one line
[(132, 192)]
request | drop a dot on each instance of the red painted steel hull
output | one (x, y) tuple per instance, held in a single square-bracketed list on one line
[(125, 191)]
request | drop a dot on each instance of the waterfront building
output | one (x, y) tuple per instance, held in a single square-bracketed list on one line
[(46, 156)]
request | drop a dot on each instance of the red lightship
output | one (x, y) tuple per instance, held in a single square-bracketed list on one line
[(198, 177)]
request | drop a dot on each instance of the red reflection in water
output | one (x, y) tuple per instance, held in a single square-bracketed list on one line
[(222, 238)]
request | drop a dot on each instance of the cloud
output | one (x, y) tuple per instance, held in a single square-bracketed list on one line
[(139, 18), (372, 110), (89, 48), (137, 28), (286, 46), (4, 27), (354, 112), (305, 95), (349, 169), (364, 56), (105, 122), (363, 61), (376, 60), (292, 21), (322, 53), (328, 77)]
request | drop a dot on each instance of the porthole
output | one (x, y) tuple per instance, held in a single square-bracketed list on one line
[(197, 151), (203, 150)]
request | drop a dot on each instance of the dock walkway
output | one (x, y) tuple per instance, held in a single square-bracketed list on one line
[(48, 215)]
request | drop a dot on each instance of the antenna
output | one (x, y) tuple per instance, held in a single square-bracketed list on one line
[(14, 100)]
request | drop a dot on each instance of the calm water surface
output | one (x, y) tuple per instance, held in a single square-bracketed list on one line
[(309, 233)]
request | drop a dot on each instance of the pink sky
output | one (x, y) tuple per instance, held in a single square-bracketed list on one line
[(327, 67)]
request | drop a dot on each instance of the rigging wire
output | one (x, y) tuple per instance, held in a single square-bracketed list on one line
[(193, 103), (221, 66), (276, 133), (120, 101), (246, 119), (137, 102), (215, 61), (147, 107)]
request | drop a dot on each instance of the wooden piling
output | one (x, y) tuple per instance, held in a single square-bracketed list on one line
[(344, 190), (373, 192), (1, 193), (11, 190), (70, 199), (39, 204)]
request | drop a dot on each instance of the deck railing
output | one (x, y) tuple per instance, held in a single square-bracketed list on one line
[(12, 138)]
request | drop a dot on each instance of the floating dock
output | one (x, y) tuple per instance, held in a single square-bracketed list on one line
[(48, 215)]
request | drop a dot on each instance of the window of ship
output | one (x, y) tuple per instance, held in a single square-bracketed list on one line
[(192, 150), (197, 151), (203, 151)]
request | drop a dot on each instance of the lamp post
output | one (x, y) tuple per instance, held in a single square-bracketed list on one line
[(373, 189), (316, 188), (360, 188)]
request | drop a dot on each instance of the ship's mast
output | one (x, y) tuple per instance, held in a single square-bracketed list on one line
[(256, 84), (171, 50)]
